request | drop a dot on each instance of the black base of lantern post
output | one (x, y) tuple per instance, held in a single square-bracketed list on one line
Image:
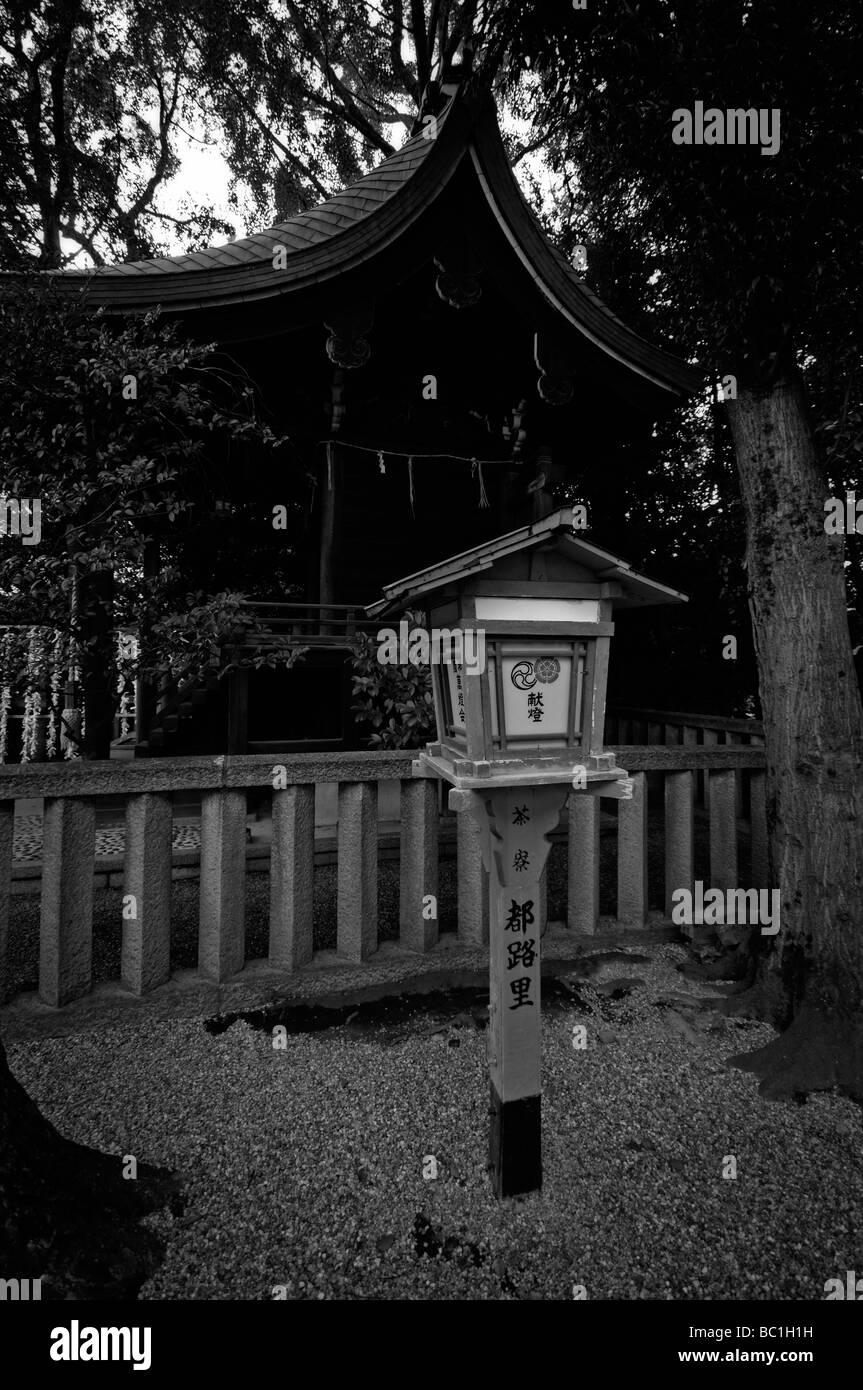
[(515, 1145)]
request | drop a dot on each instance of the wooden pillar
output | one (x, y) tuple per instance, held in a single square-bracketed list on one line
[(7, 824), (146, 690), (66, 926), (357, 911), (292, 874), (97, 659), (595, 684), (711, 740), (689, 738), (145, 956), (221, 931), (331, 523), (632, 855), (238, 710), (582, 908), (655, 781), (418, 875), (520, 821)]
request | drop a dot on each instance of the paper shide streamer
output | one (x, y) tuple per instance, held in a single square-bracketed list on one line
[(476, 471), (475, 464)]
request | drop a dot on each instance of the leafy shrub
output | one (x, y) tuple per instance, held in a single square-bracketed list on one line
[(395, 700)]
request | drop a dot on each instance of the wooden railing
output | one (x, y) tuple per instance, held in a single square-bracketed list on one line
[(277, 626), (71, 791), (307, 624), (628, 724)]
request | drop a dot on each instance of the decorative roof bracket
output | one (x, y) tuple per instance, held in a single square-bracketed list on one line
[(348, 344), (556, 370), (457, 270)]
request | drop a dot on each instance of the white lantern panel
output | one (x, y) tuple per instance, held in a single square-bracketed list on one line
[(549, 610), (536, 696)]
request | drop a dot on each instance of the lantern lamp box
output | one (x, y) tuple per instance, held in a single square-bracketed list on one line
[(538, 603)]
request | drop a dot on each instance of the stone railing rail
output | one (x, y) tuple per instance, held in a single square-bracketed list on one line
[(70, 791)]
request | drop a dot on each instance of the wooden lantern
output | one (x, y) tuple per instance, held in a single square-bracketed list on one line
[(520, 728)]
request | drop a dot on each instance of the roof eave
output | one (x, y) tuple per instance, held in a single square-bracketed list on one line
[(584, 312), (192, 289), (641, 590)]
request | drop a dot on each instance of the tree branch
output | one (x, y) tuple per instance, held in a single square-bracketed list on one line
[(399, 66), (62, 153), (534, 144), (166, 116), (289, 155), (84, 241), (348, 108), (418, 30)]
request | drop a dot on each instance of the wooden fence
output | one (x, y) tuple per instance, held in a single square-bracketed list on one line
[(71, 790), (670, 728)]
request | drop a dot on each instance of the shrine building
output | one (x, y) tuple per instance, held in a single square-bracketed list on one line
[(443, 374)]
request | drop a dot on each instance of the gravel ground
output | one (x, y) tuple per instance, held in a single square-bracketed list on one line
[(303, 1168)]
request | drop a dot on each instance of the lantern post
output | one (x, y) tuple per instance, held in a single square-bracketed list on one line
[(520, 631)]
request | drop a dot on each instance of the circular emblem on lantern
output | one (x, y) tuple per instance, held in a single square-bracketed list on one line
[(522, 675), (546, 669)]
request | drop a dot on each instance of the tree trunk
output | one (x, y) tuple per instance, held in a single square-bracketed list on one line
[(810, 976), (67, 1215)]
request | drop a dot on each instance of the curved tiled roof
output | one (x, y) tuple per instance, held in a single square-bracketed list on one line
[(557, 281), (359, 226), (298, 233), (326, 242)]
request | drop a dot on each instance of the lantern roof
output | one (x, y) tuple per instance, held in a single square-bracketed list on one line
[(553, 533)]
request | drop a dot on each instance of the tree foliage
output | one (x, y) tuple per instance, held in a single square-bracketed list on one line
[(395, 700), (117, 432), (92, 98), (744, 262), (97, 97), (747, 249)]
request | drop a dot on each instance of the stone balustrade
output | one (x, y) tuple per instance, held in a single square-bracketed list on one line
[(71, 790)]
